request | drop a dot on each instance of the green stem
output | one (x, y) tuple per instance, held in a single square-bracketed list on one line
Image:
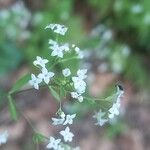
[(64, 60)]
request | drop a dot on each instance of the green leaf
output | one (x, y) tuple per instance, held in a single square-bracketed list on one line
[(54, 93), (20, 83), (38, 137), (12, 108)]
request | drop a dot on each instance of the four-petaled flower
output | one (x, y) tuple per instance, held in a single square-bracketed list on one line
[(99, 116), (35, 81), (3, 137), (45, 75), (69, 119), (77, 96), (114, 110), (82, 73), (67, 135), (66, 72), (58, 121), (58, 50), (53, 143), (79, 84), (57, 28), (40, 61)]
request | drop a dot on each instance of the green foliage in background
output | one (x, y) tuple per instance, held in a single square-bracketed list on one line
[(122, 37)]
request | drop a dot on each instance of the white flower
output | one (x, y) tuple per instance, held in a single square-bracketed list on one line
[(53, 143), (66, 72), (52, 42), (114, 110), (74, 95), (40, 61), (73, 45), (58, 50), (82, 73), (77, 49), (3, 137), (119, 93), (65, 47), (69, 119), (99, 116), (35, 81), (79, 85), (45, 75), (57, 28), (77, 96), (80, 53), (67, 135), (58, 121)]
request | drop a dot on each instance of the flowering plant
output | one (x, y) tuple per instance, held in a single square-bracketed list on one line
[(63, 83)]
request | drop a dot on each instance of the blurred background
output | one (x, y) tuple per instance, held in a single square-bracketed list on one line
[(115, 38)]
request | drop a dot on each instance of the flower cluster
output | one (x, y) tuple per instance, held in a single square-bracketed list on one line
[(3, 137), (79, 84), (75, 82), (66, 133), (72, 84), (102, 117), (45, 75)]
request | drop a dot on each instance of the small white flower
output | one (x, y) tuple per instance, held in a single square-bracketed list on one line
[(77, 49), (58, 50), (80, 98), (119, 93), (58, 121), (53, 143), (67, 135), (99, 116), (40, 61), (45, 75), (74, 95), (65, 47), (57, 28), (69, 119), (77, 96), (52, 42), (79, 85), (66, 72), (80, 53), (114, 110), (82, 73), (35, 81), (73, 45), (3, 137)]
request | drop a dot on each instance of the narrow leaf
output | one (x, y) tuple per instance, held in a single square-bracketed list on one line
[(38, 138), (20, 83), (12, 108)]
